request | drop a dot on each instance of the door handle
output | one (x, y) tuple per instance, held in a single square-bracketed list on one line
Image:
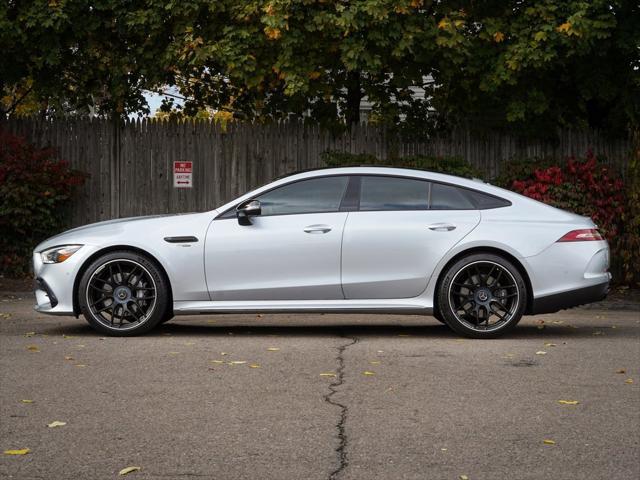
[(441, 227), (317, 229)]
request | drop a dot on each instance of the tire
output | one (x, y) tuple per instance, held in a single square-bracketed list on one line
[(123, 293), (438, 316), (482, 295), (167, 316)]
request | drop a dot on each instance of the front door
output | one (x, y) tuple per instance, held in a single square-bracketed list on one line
[(291, 251)]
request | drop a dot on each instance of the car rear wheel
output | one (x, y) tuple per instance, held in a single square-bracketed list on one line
[(123, 293), (482, 296)]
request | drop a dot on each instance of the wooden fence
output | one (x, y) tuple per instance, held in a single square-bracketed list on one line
[(130, 167)]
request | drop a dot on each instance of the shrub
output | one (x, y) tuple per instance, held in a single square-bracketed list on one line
[(449, 165), (35, 189), (586, 187)]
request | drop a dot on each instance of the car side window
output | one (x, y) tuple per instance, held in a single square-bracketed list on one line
[(315, 195), (448, 197), (393, 193), (484, 201)]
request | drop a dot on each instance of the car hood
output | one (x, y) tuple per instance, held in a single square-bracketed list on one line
[(126, 229)]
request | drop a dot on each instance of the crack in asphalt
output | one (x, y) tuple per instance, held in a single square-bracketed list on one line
[(341, 450)]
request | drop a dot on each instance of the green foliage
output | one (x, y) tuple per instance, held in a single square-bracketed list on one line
[(629, 240), (491, 64), (448, 165), (35, 189)]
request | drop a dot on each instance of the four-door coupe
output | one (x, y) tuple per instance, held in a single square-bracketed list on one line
[(348, 240)]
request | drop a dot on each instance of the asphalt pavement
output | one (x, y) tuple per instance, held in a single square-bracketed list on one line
[(320, 397)]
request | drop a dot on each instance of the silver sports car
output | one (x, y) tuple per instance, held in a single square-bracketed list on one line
[(356, 239)]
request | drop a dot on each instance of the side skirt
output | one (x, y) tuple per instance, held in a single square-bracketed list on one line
[(399, 307)]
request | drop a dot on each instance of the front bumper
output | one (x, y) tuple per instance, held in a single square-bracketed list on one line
[(54, 282), (570, 299)]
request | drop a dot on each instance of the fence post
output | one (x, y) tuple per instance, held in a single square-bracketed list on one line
[(114, 167)]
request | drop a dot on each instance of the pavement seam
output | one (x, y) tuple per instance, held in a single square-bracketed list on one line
[(341, 450)]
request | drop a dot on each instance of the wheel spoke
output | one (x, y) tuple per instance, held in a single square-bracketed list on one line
[(104, 308)]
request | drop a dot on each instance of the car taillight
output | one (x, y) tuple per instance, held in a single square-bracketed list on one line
[(583, 235)]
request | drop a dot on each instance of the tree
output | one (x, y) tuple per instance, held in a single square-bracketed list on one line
[(79, 56), (509, 64)]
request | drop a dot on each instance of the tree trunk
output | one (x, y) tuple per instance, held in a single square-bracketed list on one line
[(354, 95)]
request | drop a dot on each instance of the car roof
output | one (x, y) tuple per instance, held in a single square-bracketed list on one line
[(382, 170)]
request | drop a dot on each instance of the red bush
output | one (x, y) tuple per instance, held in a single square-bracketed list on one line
[(35, 190), (581, 186)]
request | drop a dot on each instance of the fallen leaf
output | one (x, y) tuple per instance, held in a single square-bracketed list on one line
[(217, 361), (238, 362), (443, 449), (211, 321), (568, 402), (368, 373), (69, 357), (327, 374), (223, 353), (622, 370), (27, 401), (67, 336), (81, 365), (548, 442), (598, 333), (128, 470), (29, 334), (629, 381), (557, 322), (273, 349), (254, 365), (541, 352), (550, 345), (174, 353), (464, 477), (33, 348), (374, 362), (613, 326), (380, 351), (56, 424), (21, 451)]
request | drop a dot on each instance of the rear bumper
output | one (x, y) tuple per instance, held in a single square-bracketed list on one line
[(569, 299)]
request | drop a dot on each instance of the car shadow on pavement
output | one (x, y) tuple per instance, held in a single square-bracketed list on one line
[(431, 331)]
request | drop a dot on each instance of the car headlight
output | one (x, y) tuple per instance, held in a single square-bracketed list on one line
[(59, 254)]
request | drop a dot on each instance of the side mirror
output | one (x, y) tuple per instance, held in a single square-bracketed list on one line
[(246, 210)]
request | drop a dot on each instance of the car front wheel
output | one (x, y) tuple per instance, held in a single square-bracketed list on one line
[(123, 293), (482, 296)]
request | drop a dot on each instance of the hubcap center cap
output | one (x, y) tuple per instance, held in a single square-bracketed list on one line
[(483, 295), (121, 295)]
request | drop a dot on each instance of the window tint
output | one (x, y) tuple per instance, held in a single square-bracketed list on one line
[(447, 197), (306, 196), (484, 201), (391, 193)]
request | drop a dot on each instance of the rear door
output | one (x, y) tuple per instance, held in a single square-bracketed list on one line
[(401, 230)]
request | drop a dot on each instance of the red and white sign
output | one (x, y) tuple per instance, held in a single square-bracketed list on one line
[(182, 174)]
